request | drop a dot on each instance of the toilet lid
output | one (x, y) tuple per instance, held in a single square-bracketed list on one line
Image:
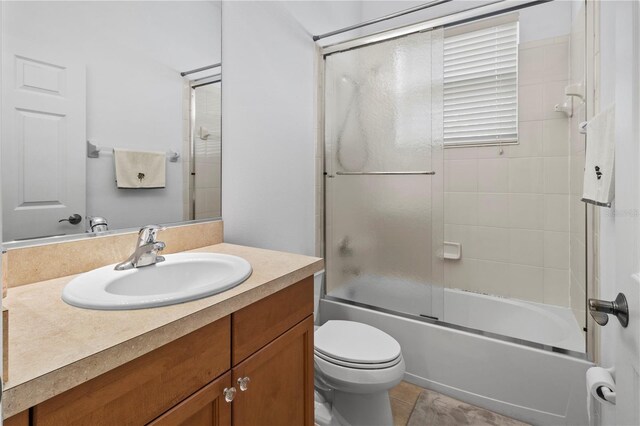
[(355, 342)]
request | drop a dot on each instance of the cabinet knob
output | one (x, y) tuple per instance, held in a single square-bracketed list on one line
[(229, 394), (243, 382)]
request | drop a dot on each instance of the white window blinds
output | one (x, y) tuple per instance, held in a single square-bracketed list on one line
[(481, 86)]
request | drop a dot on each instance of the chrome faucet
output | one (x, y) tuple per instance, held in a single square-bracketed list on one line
[(147, 249)]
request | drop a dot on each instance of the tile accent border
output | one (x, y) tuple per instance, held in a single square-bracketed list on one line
[(28, 265)]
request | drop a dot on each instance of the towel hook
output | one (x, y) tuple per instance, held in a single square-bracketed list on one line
[(92, 150)]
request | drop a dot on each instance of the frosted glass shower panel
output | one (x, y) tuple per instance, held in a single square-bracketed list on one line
[(383, 114), (377, 108), (379, 241)]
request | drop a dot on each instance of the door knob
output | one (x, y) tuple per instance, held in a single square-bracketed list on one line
[(601, 309), (229, 393), (243, 382), (74, 219)]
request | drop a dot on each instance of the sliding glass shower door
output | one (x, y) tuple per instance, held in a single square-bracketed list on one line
[(384, 197)]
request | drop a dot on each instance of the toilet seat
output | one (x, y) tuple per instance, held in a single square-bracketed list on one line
[(356, 345), (358, 365), (358, 380)]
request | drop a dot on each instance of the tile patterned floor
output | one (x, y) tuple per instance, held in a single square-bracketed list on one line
[(415, 406)]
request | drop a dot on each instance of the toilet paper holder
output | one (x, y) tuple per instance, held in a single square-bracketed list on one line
[(601, 385), (607, 394), (601, 309)]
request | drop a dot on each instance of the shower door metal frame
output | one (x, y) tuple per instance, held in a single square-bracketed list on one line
[(457, 18), (193, 85), (592, 214)]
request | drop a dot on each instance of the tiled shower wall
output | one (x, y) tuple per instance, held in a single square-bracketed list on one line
[(207, 151), (509, 206)]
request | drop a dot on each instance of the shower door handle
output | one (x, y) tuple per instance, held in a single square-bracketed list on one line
[(601, 309)]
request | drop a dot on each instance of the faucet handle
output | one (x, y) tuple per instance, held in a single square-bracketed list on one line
[(148, 233)]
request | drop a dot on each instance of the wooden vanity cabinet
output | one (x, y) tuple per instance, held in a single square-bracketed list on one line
[(195, 380), (279, 391), (272, 346), (280, 387)]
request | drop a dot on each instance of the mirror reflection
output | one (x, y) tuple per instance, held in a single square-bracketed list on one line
[(111, 115)]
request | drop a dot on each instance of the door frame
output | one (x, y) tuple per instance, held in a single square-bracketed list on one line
[(626, 353), (592, 213)]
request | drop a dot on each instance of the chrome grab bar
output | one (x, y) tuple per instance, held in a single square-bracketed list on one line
[(385, 173)]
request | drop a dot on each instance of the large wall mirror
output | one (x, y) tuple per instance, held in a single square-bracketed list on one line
[(111, 115)]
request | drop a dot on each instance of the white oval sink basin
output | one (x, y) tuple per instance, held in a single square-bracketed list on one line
[(180, 278)]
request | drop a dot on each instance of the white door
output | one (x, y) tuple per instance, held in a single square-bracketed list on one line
[(43, 143), (627, 211)]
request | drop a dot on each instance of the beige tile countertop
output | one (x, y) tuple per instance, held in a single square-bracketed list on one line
[(54, 346)]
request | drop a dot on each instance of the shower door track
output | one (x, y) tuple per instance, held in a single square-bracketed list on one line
[(439, 323)]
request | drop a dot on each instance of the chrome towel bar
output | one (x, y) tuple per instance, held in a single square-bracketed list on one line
[(385, 173), (93, 151)]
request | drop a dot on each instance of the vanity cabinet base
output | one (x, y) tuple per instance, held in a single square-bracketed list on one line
[(193, 381)]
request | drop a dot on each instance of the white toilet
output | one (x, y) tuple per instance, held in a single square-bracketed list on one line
[(356, 365)]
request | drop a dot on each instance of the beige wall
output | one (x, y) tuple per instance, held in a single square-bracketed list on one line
[(509, 206)]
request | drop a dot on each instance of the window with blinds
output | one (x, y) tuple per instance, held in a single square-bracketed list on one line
[(481, 85)]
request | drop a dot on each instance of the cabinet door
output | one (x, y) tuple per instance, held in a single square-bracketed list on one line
[(207, 407), (280, 387)]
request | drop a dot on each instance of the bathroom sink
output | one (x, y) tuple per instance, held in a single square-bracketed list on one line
[(180, 278)]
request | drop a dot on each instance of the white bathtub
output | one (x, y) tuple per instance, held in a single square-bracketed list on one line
[(525, 382), (534, 322)]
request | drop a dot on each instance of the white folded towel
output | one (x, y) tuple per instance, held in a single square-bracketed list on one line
[(139, 169), (599, 163)]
